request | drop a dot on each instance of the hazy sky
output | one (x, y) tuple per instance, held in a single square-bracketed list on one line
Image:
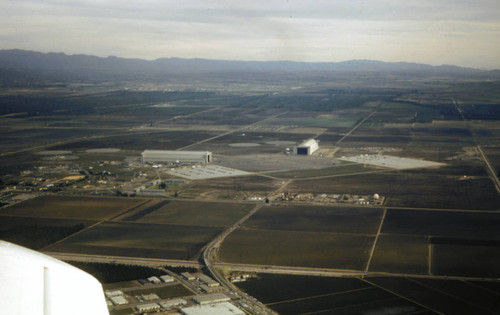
[(460, 32)]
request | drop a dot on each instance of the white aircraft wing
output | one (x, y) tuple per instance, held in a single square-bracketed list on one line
[(37, 284)]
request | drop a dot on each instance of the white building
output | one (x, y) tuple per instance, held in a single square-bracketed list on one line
[(224, 308), (167, 278), (203, 157), (119, 300), (307, 147), (149, 307)]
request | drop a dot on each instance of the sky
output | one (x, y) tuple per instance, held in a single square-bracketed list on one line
[(457, 32)]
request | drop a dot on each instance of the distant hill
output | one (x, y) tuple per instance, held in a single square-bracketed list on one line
[(22, 65)]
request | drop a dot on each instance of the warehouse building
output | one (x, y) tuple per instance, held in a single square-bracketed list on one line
[(307, 147), (119, 300), (167, 278), (149, 307), (211, 298), (224, 308), (207, 280), (173, 303), (188, 276), (151, 156)]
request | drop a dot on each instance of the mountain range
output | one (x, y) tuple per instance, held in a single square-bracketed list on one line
[(23, 65)]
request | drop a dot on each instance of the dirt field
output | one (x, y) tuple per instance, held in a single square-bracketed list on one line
[(68, 207), (294, 248), (197, 213), (140, 240)]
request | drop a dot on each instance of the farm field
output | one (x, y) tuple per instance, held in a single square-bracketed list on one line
[(436, 223), (406, 254), (410, 189), (37, 233), (69, 207), (297, 248), (197, 213), (139, 240), (352, 220), (453, 224), (301, 294)]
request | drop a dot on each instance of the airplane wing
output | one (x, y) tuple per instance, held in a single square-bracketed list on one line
[(33, 283)]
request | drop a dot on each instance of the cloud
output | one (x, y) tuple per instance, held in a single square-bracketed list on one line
[(321, 30)]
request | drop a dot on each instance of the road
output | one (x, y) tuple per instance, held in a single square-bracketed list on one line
[(154, 262), (358, 124), (305, 271), (254, 306), (490, 168)]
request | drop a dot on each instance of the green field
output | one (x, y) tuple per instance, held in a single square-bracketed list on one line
[(140, 240), (68, 207), (294, 248)]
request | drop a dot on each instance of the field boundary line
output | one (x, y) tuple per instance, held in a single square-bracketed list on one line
[(376, 239), (320, 295), (359, 124), (93, 225), (451, 295), (353, 305), (70, 236), (402, 296)]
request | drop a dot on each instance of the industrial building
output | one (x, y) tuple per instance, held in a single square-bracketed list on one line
[(173, 303), (207, 280), (211, 298), (149, 307), (167, 278), (224, 308), (307, 147), (151, 156), (188, 276), (119, 300), (154, 280)]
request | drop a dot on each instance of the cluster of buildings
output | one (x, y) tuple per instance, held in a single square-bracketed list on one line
[(329, 199), (212, 302)]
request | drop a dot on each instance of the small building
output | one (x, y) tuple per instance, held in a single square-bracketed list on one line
[(119, 300), (188, 276), (167, 278), (207, 280), (307, 147), (173, 303), (149, 297), (172, 156), (154, 280), (148, 307), (110, 294), (205, 288), (224, 308), (211, 298)]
